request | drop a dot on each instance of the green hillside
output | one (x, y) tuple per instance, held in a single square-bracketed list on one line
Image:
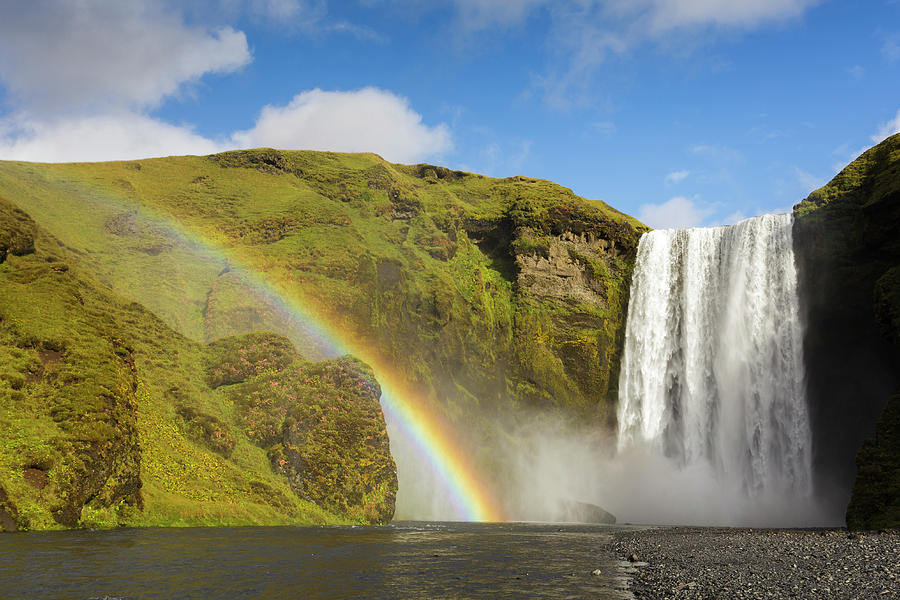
[(487, 294), (490, 291), (109, 417)]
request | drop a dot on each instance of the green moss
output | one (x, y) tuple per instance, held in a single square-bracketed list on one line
[(417, 264), (872, 178), (108, 417), (528, 242), (875, 503), (322, 428), (16, 231), (236, 359), (67, 384)]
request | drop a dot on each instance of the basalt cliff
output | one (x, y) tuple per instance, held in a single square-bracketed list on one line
[(847, 242)]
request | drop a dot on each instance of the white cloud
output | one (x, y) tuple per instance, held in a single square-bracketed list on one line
[(81, 76), (483, 14), (676, 176), (677, 212), (366, 120), (96, 138), (604, 128), (490, 154), (808, 181), (361, 32), (92, 54), (718, 152), (586, 32), (650, 16), (506, 159), (887, 129), (891, 48), (282, 10), (846, 155), (733, 218), (666, 15)]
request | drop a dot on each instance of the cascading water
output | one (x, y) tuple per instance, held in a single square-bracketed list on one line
[(712, 374)]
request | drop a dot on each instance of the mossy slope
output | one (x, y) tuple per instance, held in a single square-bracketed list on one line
[(848, 252), (485, 295), (108, 417), (463, 282), (67, 390)]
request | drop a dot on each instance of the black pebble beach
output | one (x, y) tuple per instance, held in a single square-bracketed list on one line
[(698, 562)]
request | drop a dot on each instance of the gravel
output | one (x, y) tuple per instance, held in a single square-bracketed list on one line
[(699, 562)]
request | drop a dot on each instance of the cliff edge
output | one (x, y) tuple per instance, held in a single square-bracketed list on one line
[(848, 253)]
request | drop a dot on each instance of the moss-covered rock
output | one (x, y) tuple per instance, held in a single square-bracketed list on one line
[(236, 359), (68, 436), (9, 517), (875, 503), (108, 417), (887, 304), (848, 257), (208, 430), (16, 231), (322, 428), (334, 449)]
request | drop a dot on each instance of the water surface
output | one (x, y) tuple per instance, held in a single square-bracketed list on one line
[(401, 560)]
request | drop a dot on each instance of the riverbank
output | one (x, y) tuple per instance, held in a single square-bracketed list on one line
[(703, 562)]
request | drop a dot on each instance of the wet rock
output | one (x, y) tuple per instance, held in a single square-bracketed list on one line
[(8, 513), (17, 232), (574, 511)]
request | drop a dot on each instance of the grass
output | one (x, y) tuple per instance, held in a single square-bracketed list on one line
[(108, 417), (418, 265), (323, 226)]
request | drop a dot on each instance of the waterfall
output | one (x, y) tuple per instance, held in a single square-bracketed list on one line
[(712, 373)]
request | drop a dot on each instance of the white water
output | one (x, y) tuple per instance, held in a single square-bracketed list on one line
[(712, 381)]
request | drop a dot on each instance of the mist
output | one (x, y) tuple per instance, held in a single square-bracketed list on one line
[(543, 462), (713, 419)]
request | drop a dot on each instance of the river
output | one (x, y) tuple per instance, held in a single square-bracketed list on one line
[(400, 560)]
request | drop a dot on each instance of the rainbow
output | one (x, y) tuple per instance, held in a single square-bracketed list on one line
[(403, 407)]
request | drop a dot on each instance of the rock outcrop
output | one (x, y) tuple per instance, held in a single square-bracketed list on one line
[(68, 435), (875, 503), (16, 231), (320, 424), (848, 253)]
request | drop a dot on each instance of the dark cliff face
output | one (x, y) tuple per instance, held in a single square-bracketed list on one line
[(875, 502), (847, 243)]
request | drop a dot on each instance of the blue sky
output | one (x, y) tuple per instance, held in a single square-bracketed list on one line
[(680, 112)]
